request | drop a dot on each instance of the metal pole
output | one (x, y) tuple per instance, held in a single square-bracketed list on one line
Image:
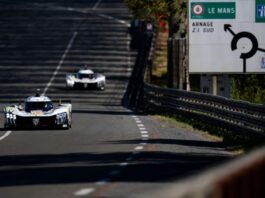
[(214, 85), (170, 46)]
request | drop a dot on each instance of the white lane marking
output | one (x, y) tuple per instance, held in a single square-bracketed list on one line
[(103, 181), (61, 62), (114, 19), (143, 143), (5, 135), (142, 129), (140, 125), (139, 148), (96, 5), (144, 132), (145, 136), (138, 121), (84, 191), (106, 16), (124, 164), (85, 12)]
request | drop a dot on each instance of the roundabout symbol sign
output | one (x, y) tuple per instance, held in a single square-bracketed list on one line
[(239, 36)]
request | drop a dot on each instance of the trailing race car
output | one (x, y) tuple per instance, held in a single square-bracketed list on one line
[(86, 78), (38, 112)]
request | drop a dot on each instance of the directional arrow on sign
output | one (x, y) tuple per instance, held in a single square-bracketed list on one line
[(240, 35), (228, 27)]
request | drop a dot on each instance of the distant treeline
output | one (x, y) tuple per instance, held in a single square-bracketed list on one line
[(248, 87)]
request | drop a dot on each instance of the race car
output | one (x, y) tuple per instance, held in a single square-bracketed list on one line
[(38, 112), (86, 78)]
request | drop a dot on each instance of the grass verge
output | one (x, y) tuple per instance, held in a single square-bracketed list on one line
[(232, 141)]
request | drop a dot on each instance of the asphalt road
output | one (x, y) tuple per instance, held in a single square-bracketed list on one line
[(110, 151)]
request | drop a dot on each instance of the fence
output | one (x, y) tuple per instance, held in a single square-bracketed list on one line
[(239, 116)]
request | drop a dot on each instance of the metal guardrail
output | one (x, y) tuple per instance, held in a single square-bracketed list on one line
[(239, 116)]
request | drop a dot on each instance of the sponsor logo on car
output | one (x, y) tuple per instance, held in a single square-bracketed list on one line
[(36, 113), (36, 121)]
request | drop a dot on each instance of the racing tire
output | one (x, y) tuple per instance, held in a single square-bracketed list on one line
[(69, 125), (101, 87)]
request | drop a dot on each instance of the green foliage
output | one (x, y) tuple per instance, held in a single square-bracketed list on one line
[(248, 87), (147, 9), (151, 10)]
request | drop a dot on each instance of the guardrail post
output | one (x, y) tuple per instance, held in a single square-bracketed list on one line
[(178, 63)]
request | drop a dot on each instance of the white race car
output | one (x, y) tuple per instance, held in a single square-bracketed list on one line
[(86, 78), (38, 112)]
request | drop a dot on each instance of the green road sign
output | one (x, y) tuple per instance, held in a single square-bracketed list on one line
[(213, 10), (260, 11)]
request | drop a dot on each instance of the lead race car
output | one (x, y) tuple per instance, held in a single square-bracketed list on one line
[(86, 78), (38, 112)]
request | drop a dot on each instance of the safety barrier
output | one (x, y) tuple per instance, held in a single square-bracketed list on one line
[(239, 116)]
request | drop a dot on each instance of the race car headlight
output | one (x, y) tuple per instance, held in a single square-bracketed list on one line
[(70, 81), (61, 115), (61, 118), (11, 116)]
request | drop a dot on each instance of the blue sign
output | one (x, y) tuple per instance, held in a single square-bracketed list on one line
[(263, 63), (260, 11)]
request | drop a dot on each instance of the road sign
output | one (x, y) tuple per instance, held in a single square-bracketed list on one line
[(260, 10), (210, 10), (226, 36)]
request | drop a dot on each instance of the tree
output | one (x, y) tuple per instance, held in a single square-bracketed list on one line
[(147, 10), (156, 10), (248, 87)]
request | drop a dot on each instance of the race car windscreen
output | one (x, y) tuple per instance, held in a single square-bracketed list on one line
[(81, 76), (41, 106)]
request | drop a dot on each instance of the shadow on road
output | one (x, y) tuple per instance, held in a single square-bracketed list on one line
[(89, 167), (194, 143)]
